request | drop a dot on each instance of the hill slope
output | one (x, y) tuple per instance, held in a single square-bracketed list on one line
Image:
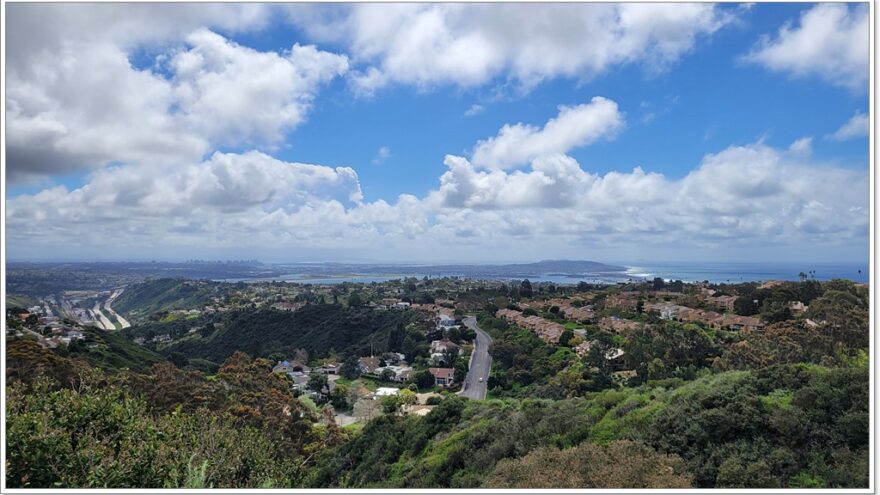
[(163, 294), (319, 329)]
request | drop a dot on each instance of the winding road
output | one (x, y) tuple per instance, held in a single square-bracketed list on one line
[(481, 363)]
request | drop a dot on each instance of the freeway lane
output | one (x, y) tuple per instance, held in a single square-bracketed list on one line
[(480, 363)]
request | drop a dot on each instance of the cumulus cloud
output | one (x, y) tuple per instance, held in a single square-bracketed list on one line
[(741, 196), (574, 127), (831, 42), (235, 94), (469, 44), (856, 127), (81, 104)]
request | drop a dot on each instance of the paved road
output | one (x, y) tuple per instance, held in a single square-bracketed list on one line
[(480, 364)]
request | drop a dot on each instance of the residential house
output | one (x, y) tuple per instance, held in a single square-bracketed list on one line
[(709, 318), (736, 322), (615, 324), (328, 369), (625, 301), (290, 367), (444, 345), (582, 314), (798, 307), (725, 302), (548, 331), (667, 311), (443, 377), (399, 373), (446, 321)]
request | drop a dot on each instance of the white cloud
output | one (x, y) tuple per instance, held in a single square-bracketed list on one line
[(574, 127), (802, 146), (743, 196), (856, 127), (469, 44), (474, 110), (235, 94), (383, 154), (831, 42), (82, 105)]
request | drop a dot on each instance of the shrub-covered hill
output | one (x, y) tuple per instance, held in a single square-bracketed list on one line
[(145, 298), (321, 330), (784, 426)]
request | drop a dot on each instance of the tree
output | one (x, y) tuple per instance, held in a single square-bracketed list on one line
[(391, 404), (339, 396), (318, 382), (525, 288), (773, 311), (408, 397), (351, 368), (366, 409), (178, 359), (387, 375), (276, 357), (658, 283), (565, 338), (745, 305), (354, 300), (424, 379)]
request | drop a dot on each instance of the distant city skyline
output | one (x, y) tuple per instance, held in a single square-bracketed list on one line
[(438, 133)]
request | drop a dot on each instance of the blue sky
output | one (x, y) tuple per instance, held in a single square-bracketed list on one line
[(734, 86)]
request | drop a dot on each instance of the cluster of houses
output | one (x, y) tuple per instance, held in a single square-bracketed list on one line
[(52, 332), (674, 312), (548, 331), (393, 365), (300, 373), (617, 325)]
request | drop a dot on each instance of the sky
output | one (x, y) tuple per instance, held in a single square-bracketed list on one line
[(437, 132)]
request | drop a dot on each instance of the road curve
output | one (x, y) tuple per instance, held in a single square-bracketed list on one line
[(481, 363)]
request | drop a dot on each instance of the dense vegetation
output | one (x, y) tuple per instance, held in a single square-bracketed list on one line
[(165, 294), (77, 426), (784, 407), (791, 425), (320, 329)]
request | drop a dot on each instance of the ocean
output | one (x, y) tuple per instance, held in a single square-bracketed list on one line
[(717, 272), (729, 272)]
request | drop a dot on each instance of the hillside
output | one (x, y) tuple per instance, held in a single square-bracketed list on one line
[(163, 294), (114, 352), (319, 329), (783, 426)]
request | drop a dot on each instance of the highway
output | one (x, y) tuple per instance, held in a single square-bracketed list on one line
[(481, 363)]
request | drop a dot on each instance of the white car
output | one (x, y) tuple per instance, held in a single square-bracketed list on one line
[(481, 379)]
